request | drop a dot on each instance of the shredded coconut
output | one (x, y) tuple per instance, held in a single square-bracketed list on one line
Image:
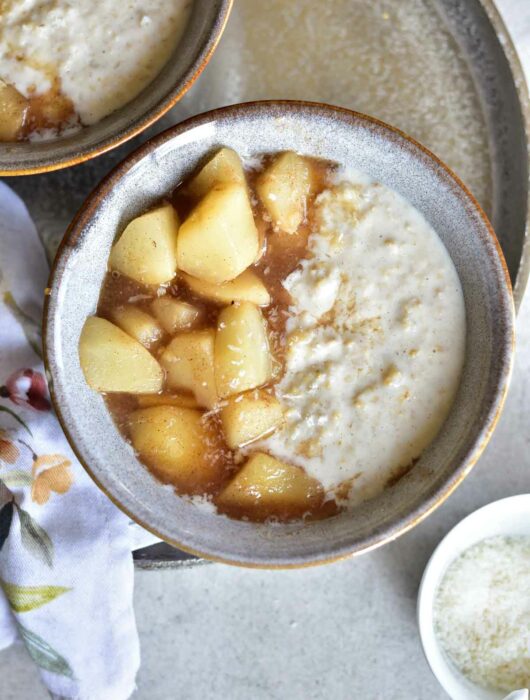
[(482, 613)]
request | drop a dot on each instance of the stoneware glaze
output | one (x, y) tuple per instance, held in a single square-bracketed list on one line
[(508, 517), (324, 132), (204, 29)]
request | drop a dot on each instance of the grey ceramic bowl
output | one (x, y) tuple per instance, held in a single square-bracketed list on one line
[(192, 53), (326, 132)]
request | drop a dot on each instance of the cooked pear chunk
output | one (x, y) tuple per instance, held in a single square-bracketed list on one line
[(242, 354), (225, 167), (219, 238), (173, 399), (138, 324), (189, 363), (178, 445), (13, 111), (174, 314), (113, 361), (147, 249), (283, 189), (250, 416), (266, 487), (245, 287)]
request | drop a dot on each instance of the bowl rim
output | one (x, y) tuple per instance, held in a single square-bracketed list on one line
[(523, 95), (400, 525), (440, 560), (201, 60)]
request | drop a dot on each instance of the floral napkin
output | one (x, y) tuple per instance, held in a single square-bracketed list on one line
[(66, 569)]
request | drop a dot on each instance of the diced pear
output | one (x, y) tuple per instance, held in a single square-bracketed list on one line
[(219, 238), (242, 354), (223, 168), (147, 249), (113, 361), (250, 416), (178, 445), (13, 111), (181, 400), (189, 363), (246, 287), (174, 314), (283, 189), (263, 237), (138, 324), (266, 487)]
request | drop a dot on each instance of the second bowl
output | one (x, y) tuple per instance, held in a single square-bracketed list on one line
[(203, 29)]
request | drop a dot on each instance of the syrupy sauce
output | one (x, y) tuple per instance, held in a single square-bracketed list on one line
[(51, 111), (280, 254)]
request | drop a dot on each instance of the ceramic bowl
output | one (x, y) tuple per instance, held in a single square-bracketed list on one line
[(368, 145), (508, 517), (205, 27)]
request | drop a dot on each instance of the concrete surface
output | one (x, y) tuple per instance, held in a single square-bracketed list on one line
[(343, 631)]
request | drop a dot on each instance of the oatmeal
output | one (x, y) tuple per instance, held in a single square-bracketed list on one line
[(375, 341), (97, 57), (282, 340)]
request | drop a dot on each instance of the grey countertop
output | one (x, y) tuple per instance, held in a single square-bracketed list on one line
[(342, 631)]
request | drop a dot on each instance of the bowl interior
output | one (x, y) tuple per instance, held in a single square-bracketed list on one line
[(324, 132), (509, 516), (205, 24)]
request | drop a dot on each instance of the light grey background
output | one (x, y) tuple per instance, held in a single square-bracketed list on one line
[(342, 631)]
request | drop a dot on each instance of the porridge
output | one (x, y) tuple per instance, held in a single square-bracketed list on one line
[(281, 341), (65, 63), (375, 343)]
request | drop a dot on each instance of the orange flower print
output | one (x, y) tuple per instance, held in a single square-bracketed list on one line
[(50, 473), (9, 452)]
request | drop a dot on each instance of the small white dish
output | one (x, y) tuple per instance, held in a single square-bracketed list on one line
[(509, 516)]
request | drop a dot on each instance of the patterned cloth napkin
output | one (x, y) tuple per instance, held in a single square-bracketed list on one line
[(66, 569)]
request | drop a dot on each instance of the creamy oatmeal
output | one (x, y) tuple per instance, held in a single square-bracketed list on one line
[(375, 341), (279, 341), (96, 56)]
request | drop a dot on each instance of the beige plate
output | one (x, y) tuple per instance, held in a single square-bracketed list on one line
[(460, 74)]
